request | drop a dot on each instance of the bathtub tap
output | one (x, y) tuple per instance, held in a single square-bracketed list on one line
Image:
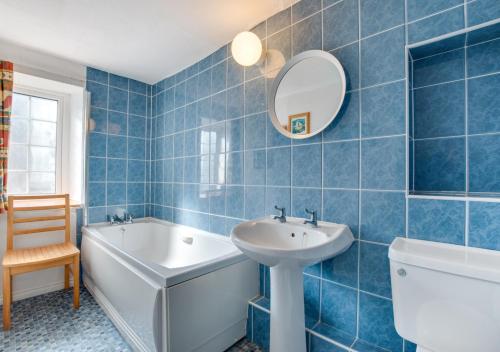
[(116, 220)]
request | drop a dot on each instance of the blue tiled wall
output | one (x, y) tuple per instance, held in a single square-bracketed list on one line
[(216, 159), (455, 131), (118, 147)]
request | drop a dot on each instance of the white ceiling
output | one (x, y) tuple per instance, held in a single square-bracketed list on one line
[(147, 40)]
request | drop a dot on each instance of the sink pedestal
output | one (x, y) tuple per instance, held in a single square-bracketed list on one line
[(287, 309)]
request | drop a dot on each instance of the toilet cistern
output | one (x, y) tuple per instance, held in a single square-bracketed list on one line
[(446, 297)]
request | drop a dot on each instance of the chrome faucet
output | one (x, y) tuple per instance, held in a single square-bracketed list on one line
[(282, 217), (115, 219), (314, 218)]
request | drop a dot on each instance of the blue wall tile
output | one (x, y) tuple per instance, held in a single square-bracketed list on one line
[(484, 163), (320, 345), (418, 8), (255, 167), (436, 220), (483, 110), (137, 126), (374, 275), (382, 216), (344, 267), (255, 96), (117, 147), (483, 58), (234, 164), (97, 144), (279, 21), (255, 198), (115, 170), (346, 123), (303, 9), (98, 94), (261, 328), (305, 198), (280, 196), (254, 125), (484, 225), (311, 297), (387, 118), (440, 68), (97, 169), (118, 99), (349, 58), (100, 118), (438, 111), (383, 163), (379, 15), (376, 322), (306, 35), (306, 166), (382, 59), (339, 305), (278, 166), (341, 164), (96, 75), (436, 25), (440, 164), (342, 206), (340, 23), (117, 123), (482, 11), (116, 193), (96, 194)]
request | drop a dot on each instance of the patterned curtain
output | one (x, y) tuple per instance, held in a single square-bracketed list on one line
[(6, 85)]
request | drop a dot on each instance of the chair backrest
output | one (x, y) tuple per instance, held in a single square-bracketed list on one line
[(37, 203)]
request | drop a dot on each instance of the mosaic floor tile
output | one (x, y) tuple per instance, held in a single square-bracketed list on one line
[(49, 323)]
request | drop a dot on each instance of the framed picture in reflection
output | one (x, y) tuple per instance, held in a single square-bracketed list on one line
[(299, 123)]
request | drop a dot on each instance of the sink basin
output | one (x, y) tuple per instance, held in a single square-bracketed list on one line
[(287, 248), (270, 242)]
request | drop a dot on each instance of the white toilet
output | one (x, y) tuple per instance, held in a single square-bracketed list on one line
[(446, 298)]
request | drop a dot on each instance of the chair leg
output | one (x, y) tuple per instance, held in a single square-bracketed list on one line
[(11, 287), (7, 298), (66, 276), (76, 281)]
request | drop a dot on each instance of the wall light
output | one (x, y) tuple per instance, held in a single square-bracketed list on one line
[(246, 48)]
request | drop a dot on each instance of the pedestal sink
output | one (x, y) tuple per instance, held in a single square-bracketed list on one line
[(287, 248)]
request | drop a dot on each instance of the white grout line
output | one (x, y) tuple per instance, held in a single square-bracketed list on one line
[(360, 173)]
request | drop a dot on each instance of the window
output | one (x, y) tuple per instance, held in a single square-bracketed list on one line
[(35, 149), (47, 137)]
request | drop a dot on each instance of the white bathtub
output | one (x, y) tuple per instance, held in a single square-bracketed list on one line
[(169, 287)]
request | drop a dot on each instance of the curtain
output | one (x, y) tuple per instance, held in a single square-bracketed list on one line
[(6, 86)]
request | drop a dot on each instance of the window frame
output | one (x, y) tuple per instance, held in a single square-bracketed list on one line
[(62, 129)]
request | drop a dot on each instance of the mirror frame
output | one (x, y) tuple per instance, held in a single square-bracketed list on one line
[(282, 73)]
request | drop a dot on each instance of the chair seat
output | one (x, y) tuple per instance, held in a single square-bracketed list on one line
[(38, 255)]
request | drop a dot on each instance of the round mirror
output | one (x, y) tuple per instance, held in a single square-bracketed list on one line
[(307, 94)]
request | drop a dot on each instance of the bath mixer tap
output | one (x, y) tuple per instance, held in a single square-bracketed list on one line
[(282, 217), (116, 220), (128, 219), (314, 218)]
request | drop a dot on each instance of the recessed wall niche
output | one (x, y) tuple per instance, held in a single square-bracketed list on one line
[(454, 114)]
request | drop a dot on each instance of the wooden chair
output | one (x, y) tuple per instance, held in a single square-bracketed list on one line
[(23, 260)]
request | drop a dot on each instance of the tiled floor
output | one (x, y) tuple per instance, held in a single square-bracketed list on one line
[(49, 323)]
